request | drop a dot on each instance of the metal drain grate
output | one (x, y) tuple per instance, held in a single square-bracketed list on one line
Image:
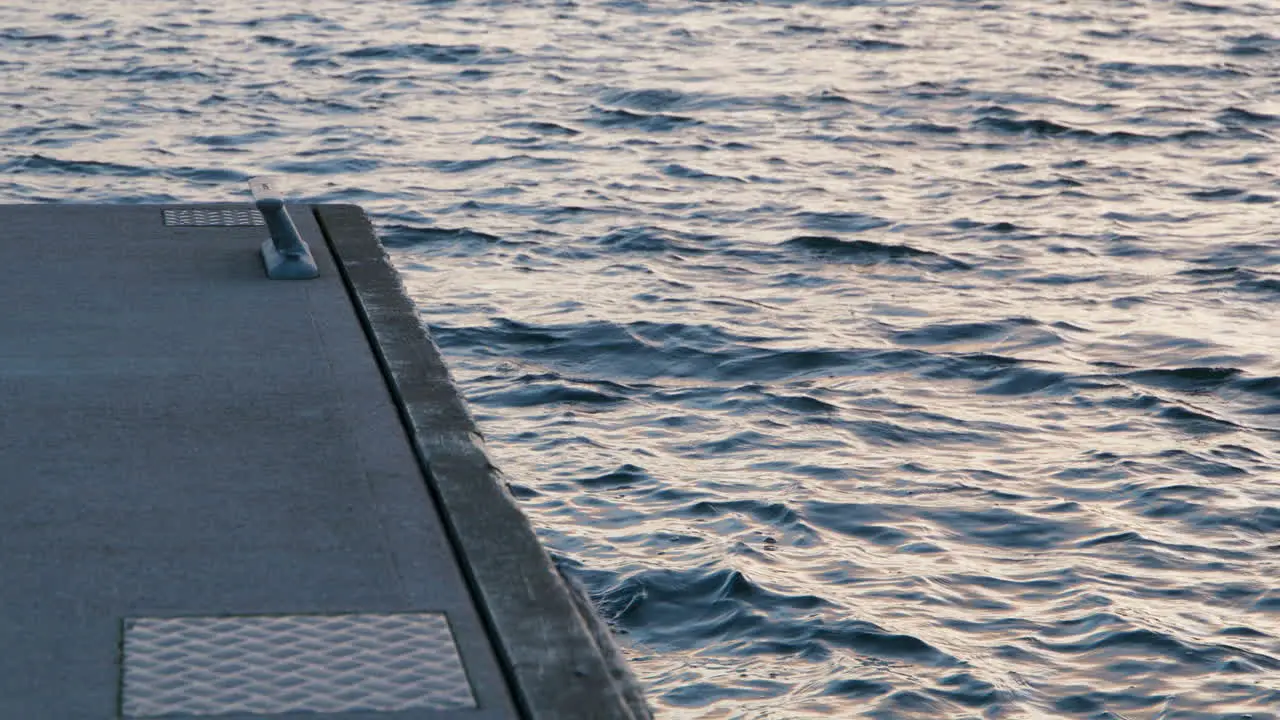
[(268, 664), (213, 217)]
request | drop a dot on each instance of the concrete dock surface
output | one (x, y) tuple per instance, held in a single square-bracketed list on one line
[(230, 496)]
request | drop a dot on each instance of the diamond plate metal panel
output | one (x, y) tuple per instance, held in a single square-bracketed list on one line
[(213, 217), (259, 664)]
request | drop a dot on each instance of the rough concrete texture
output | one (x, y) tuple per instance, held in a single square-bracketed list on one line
[(181, 436)]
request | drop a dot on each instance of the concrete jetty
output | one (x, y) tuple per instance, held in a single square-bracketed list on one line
[(225, 495)]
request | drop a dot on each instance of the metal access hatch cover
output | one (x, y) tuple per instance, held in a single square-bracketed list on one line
[(269, 664)]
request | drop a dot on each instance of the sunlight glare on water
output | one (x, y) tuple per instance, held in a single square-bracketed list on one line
[(864, 359)]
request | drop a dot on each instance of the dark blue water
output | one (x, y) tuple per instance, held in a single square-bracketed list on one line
[(865, 359)]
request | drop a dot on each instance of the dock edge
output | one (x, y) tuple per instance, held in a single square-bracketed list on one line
[(559, 657)]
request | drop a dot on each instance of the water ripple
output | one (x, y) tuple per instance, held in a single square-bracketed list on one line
[(862, 358)]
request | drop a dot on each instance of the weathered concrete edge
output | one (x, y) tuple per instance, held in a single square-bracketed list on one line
[(559, 656)]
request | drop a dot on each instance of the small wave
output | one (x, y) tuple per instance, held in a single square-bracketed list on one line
[(840, 222), (949, 333), (1241, 116), (1033, 126), (777, 515), (327, 166), (1200, 465), (1025, 381), (656, 239), (651, 122), (1048, 128), (677, 170), (22, 36), (634, 350), (1214, 72), (1005, 528), (1200, 7), (144, 74), (1188, 379), (1260, 44), (404, 236), (625, 476), (698, 604), (806, 29), (1266, 386), (1236, 278), (275, 41), (646, 101), (237, 139), (904, 434), (547, 393), (1196, 422), (856, 689), (930, 128), (1230, 195), (45, 164), (873, 45), (427, 52), (544, 128), (866, 252), (1147, 642), (873, 523), (464, 166), (829, 97), (779, 364)]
